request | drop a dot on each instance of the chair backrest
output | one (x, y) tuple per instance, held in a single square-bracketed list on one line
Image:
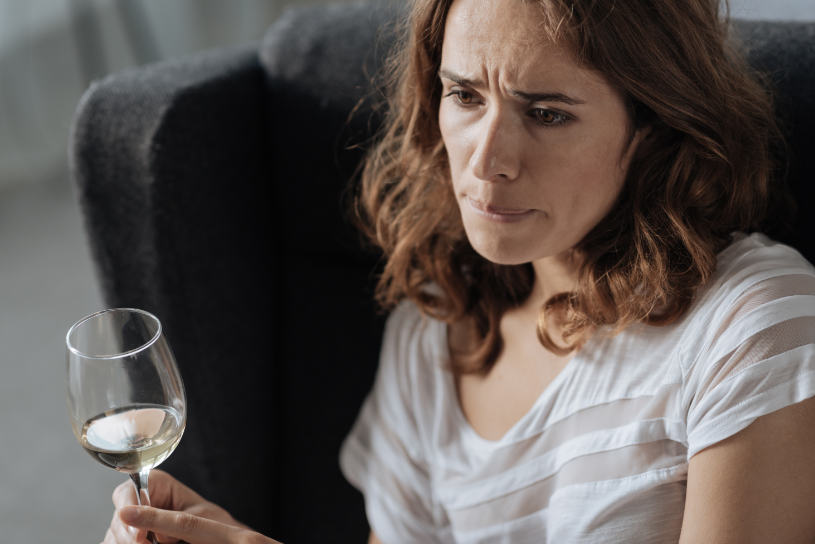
[(785, 53)]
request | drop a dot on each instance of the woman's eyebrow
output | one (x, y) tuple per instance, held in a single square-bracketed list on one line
[(461, 80), (527, 96), (547, 97)]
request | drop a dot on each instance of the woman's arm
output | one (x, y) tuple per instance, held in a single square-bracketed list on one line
[(373, 539), (756, 486)]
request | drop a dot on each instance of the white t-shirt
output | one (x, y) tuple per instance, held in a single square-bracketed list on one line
[(602, 456)]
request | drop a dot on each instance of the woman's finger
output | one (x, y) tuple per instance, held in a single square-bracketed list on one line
[(124, 494), (165, 492), (112, 538), (166, 539), (180, 525), (124, 534)]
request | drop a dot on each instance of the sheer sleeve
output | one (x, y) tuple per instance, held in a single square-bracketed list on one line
[(760, 353), (383, 455)]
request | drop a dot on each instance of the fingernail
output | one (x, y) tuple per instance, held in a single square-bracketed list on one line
[(130, 514)]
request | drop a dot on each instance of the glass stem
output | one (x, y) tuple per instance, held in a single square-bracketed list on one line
[(142, 495), (140, 481)]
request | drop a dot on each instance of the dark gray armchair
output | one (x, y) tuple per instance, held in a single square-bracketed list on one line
[(213, 189)]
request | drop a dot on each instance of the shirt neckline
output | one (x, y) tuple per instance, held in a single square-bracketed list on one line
[(469, 434)]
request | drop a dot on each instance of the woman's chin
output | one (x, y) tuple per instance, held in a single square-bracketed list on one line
[(506, 253)]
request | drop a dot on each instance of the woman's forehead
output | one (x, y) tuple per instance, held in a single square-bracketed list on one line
[(515, 31), (509, 40), (528, 23)]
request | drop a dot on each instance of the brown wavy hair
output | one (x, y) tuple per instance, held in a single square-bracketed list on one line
[(702, 171)]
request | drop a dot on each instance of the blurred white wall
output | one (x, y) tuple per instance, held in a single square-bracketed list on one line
[(776, 10), (51, 49)]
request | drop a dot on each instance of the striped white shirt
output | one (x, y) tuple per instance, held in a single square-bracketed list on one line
[(602, 456)]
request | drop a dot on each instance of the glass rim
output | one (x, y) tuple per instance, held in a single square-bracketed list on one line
[(142, 347)]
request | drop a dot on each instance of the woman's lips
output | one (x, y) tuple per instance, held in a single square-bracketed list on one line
[(497, 213)]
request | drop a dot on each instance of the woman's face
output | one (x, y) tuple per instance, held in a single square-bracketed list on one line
[(538, 146)]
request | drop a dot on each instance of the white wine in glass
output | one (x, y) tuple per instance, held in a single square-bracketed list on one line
[(132, 438), (125, 394)]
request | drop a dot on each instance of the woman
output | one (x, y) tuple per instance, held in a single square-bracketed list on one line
[(585, 345)]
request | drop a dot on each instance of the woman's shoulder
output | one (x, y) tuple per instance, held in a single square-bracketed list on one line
[(755, 267), (758, 284), (758, 254), (407, 326), (758, 281), (414, 343), (748, 349), (406, 313)]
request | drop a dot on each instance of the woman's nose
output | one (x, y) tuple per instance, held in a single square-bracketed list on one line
[(497, 152)]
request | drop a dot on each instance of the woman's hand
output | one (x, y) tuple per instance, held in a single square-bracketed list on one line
[(178, 513)]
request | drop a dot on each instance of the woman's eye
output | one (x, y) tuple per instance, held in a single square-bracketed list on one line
[(463, 97), (548, 117)]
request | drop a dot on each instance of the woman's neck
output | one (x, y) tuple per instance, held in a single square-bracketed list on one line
[(553, 275)]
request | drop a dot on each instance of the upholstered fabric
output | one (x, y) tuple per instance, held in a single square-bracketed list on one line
[(784, 52), (173, 172), (213, 189)]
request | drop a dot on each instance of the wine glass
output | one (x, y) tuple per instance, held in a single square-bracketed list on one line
[(125, 396)]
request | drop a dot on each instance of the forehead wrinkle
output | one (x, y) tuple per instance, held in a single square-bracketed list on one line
[(509, 59), (512, 72)]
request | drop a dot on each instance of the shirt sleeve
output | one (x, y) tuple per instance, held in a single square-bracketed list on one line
[(761, 353), (383, 454)]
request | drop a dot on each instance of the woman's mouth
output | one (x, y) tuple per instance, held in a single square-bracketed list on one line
[(498, 213)]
